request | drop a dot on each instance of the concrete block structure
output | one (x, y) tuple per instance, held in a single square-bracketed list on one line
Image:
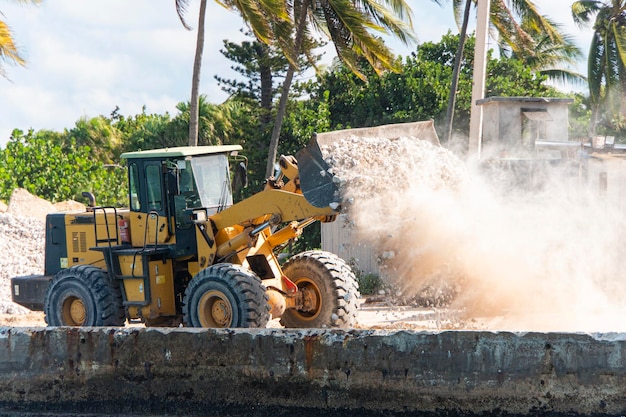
[(522, 126)]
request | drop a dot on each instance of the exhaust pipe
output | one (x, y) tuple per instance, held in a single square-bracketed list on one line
[(91, 198)]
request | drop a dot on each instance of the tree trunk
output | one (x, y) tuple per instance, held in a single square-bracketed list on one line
[(278, 123), (621, 68), (456, 72), (195, 79), (267, 86), (284, 95), (595, 112)]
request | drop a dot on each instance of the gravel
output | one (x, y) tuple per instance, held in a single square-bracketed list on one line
[(22, 243), (384, 184)]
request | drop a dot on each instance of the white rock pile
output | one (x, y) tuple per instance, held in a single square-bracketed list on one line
[(22, 240), (22, 248), (368, 166), (386, 185)]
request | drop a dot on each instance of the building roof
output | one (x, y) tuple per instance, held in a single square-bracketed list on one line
[(542, 100)]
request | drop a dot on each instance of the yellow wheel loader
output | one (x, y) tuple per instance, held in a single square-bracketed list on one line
[(183, 253)]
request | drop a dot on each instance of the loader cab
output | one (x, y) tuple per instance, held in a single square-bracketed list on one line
[(170, 183), (198, 174)]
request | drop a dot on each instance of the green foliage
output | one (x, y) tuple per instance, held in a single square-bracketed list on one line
[(305, 118), (420, 91), (98, 134), (214, 122), (579, 117), (511, 77), (606, 64), (368, 283), (258, 64), (33, 162), (145, 131)]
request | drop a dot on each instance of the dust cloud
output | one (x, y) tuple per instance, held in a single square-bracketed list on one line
[(542, 254)]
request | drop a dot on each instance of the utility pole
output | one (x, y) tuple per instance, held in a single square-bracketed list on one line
[(478, 84)]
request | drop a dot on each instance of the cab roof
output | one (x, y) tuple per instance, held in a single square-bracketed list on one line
[(181, 151)]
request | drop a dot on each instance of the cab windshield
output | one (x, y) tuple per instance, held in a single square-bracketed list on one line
[(208, 178)]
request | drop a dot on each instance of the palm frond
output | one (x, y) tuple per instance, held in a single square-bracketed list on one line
[(181, 9), (350, 24), (8, 49), (619, 37), (564, 76), (583, 10), (534, 20), (457, 7), (595, 68), (263, 17), (395, 19)]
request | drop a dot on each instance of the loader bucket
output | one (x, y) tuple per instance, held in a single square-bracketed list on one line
[(421, 130), (315, 181)]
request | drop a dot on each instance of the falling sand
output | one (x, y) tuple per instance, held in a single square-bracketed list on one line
[(542, 258)]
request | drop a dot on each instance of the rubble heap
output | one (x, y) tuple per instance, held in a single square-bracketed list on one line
[(22, 241)]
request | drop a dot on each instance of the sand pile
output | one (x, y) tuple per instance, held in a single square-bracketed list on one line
[(24, 204), (506, 251)]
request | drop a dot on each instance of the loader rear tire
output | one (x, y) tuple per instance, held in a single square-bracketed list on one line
[(83, 296), (329, 288), (225, 295)]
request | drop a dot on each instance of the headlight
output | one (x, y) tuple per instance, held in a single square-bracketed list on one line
[(199, 216)]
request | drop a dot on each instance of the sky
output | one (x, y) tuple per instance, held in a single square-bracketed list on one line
[(85, 58)]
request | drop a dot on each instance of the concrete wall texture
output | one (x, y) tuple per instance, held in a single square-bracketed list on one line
[(310, 372)]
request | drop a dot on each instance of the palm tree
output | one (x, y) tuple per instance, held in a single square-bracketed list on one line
[(197, 64), (553, 59), (104, 140), (214, 121), (607, 54), (261, 15), (8, 50), (347, 23), (518, 22)]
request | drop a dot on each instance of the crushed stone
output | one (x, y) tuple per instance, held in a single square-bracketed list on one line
[(22, 243)]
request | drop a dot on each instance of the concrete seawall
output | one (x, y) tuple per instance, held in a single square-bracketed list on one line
[(310, 372)]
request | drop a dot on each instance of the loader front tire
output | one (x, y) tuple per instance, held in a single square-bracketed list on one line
[(225, 295), (329, 290), (83, 296)]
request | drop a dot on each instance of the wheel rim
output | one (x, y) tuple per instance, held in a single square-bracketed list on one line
[(215, 310), (311, 297), (74, 311)]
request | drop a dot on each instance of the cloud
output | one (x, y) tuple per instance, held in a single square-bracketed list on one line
[(85, 58)]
